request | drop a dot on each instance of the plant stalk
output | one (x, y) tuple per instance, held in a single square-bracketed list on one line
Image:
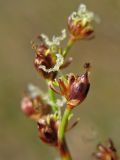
[(63, 149), (52, 99), (68, 47), (63, 124)]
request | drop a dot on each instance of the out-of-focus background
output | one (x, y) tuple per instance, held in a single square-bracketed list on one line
[(20, 22)]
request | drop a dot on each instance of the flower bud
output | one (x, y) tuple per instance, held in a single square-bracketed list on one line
[(48, 128)]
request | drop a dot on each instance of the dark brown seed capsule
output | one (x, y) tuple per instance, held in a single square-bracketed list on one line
[(74, 88)]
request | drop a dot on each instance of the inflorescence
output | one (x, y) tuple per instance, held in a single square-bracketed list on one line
[(52, 114)]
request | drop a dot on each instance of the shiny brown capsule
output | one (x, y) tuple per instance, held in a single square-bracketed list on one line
[(74, 88)]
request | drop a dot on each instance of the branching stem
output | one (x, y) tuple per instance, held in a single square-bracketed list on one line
[(68, 47)]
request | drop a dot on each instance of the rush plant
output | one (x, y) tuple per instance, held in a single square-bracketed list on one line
[(51, 114)]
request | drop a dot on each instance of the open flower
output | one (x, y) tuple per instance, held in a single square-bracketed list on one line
[(73, 88), (48, 128), (107, 152), (48, 56), (79, 23)]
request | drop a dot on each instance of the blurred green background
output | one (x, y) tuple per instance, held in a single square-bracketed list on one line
[(20, 22)]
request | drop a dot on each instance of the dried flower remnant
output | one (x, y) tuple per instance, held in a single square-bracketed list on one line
[(48, 128), (73, 88), (80, 23), (106, 152)]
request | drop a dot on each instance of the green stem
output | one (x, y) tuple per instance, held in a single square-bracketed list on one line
[(52, 99), (68, 47), (63, 124), (63, 149)]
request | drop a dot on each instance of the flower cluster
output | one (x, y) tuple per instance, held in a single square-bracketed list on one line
[(53, 117)]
